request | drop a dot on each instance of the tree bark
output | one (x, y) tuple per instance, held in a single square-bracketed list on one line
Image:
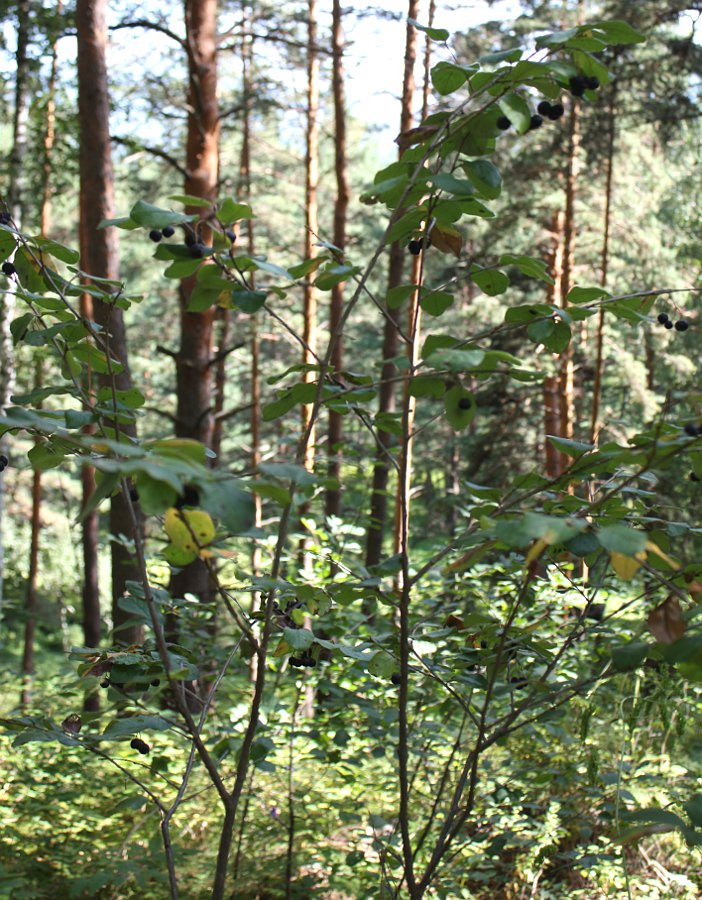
[(99, 252), (604, 270), (566, 359), (247, 49), (194, 417), (336, 308), (386, 399), (15, 203), (309, 328)]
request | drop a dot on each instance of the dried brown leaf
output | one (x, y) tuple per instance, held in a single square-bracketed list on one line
[(415, 136), (666, 622), (447, 240)]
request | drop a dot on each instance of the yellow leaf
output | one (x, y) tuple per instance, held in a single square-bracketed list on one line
[(189, 529), (537, 548), (626, 566), (654, 548), (447, 239)]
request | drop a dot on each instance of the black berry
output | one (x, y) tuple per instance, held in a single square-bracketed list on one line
[(155, 235), (296, 662), (138, 744), (544, 108), (8, 269), (535, 122), (503, 123), (557, 110), (155, 682), (105, 684), (693, 477), (415, 247), (592, 83), (682, 325), (4, 462), (190, 240), (230, 234), (189, 497), (668, 324), (198, 250), (168, 231), (663, 318), (692, 430), (4, 218), (577, 85), (465, 403), (396, 678)]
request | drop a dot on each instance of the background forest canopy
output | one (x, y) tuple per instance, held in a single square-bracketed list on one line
[(350, 477)]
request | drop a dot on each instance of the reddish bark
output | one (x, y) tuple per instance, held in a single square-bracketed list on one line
[(100, 257), (386, 399), (194, 412), (336, 308)]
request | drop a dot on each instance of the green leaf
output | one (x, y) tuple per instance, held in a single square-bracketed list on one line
[(693, 807), (617, 31), (191, 200), (585, 295), (449, 183), (182, 268), (517, 110), (248, 301), (58, 251), (149, 216), (529, 266), (628, 657), (427, 386), (398, 295), (127, 725), (559, 338), (436, 34), (448, 77), (460, 407), (435, 302), (622, 539), (298, 638), (230, 211), (234, 507), (570, 447), (382, 665), (335, 274), (485, 177), (491, 281)]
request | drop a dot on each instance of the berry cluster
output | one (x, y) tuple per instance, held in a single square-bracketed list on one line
[(156, 234), (552, 111), (4, 462), (680, 325), (545, 110), (303, 662), (416, 246), (581, 83), (8, 269), (138, 744), (5, 218)]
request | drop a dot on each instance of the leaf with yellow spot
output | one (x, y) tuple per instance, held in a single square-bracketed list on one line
[(626, 566), (179, 555), (189, 529)]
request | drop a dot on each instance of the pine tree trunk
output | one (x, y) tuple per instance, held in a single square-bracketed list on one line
[(336, 420), (247, 48), (414, 331), (194, 417), (100, 257), (386, 399), (566, 360), (604, 270), (15, 202), (309, 327), (35, 520), (551, 402)]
